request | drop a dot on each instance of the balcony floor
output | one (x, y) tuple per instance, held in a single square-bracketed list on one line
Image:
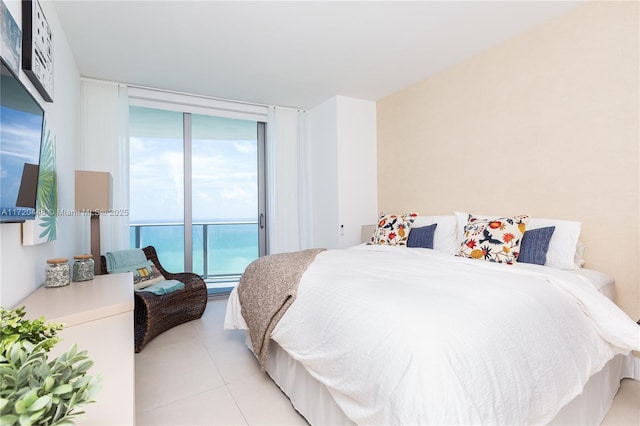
[(221, 285)]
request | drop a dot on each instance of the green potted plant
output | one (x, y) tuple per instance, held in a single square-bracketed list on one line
[(36, 390)]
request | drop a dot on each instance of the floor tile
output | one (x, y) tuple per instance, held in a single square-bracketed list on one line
[(262, 402), (625, 409), (173, 372), (234, 360), (214, 407), (179, 334), (212, 320)]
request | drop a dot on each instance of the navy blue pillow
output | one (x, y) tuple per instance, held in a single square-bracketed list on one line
[(422, 237), (534, 245)]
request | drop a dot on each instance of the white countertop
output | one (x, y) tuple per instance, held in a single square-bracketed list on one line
[(81, 302)]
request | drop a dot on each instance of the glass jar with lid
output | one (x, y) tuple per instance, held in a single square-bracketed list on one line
[(83, 267), (57, 272)]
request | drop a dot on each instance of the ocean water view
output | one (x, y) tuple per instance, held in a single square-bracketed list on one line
[(229, 246)]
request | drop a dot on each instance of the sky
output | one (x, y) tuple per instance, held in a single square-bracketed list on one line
[(19, 143), (224, 171), (21, 120)]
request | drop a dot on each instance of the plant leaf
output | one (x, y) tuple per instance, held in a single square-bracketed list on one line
[(33, 388), (35, 417), (48, 383), (62, 389), (8, 420), (41, 403), (25, 420), (84, 367)]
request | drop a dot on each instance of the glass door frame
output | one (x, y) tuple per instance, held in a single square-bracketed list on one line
[(188, 193), (189, 104)]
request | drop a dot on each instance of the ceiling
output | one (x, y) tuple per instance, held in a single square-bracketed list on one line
[(292, 53)]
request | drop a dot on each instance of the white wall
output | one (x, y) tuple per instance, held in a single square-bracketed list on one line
[(357, 167), (22, 268), (323, 174), (342, 148)]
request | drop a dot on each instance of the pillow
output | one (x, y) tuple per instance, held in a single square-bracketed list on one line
[(565, 250), (461, 221), (144, 274), (392, 229), (534, 246), (578, 261), (494, 239), (422, 237), (444, 238)]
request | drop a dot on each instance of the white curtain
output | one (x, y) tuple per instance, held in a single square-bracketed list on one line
[(104, 146), (287, 181)]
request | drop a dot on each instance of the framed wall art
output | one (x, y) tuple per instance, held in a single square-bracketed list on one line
[(10, 37), (37, 48), (43, 228)]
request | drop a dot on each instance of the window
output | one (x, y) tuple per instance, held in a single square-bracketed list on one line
[(197, 191)]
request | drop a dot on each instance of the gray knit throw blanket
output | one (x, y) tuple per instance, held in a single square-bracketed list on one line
[(267, 288)]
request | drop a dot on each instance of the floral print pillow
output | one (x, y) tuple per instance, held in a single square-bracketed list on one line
[(493, 239), (392, 229)]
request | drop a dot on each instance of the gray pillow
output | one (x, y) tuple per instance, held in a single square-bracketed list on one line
[(534, 245), (422, 236)]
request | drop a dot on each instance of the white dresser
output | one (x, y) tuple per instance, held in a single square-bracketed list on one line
[(98, 317)]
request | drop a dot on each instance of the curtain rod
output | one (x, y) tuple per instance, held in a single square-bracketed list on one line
[(175, 92)]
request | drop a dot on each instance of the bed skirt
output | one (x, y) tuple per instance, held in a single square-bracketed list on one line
[(313, 401)]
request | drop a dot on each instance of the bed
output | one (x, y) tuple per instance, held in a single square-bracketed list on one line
[(386, 334)]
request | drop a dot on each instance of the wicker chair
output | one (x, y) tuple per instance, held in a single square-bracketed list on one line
[(155, 314)]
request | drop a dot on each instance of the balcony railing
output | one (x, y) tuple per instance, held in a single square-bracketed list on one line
[(221, 250)]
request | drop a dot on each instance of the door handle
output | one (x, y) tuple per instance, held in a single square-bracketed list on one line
[(261, 221)]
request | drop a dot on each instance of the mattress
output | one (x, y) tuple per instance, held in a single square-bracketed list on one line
[(460, 387), (604, 283)]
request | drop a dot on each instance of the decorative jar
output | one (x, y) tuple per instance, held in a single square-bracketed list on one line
[(57, 272), (83, 267)]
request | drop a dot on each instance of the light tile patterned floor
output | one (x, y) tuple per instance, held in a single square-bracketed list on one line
[(200, 374), (626, 405)]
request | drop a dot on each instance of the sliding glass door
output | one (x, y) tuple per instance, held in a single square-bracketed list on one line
[(224, 195), (156, 170), (197, 191)]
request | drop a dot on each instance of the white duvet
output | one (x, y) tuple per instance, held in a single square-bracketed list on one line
[(414, 336)]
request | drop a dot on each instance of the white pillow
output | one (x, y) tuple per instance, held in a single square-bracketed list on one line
[(461, 221), (445, 237), (565, 250), (578, 261)]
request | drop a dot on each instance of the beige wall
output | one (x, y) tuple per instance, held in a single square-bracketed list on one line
[(544, 124)]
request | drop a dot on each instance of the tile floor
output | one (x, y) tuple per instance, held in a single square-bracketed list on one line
[(626, 405), (200, 374)]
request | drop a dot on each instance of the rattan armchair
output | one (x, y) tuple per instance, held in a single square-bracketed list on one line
[(155, 314)]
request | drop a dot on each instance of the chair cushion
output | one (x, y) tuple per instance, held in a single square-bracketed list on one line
[(144, 274), (117, 260), (164, 287)]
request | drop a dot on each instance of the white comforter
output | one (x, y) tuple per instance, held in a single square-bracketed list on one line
[(413, 336)]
